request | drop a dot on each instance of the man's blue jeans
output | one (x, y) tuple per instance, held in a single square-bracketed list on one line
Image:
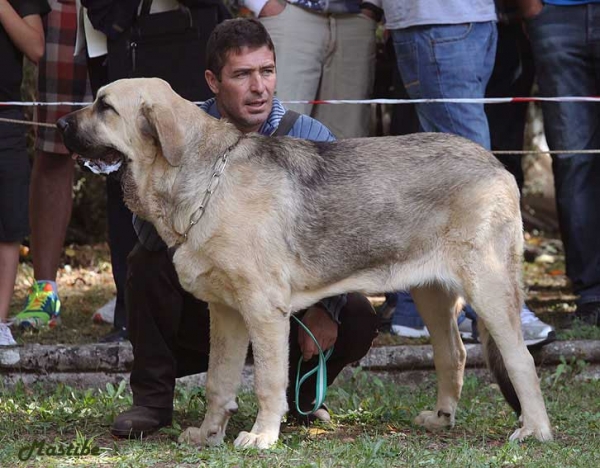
[(566, 48), (448, 61), (445, 61)]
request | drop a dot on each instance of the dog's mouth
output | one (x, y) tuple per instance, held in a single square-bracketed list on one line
[(106, 161)]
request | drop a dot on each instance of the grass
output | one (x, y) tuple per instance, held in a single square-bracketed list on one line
[(372, 427)]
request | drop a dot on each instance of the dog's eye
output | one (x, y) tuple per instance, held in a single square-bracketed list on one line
[(104, 106)]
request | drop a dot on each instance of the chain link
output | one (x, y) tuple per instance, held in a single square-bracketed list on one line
[(218, 169)]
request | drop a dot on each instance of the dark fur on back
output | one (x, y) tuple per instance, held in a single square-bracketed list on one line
[(337, 193)]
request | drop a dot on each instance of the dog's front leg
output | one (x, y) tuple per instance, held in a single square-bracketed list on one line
[(269, 334), (228, 348)]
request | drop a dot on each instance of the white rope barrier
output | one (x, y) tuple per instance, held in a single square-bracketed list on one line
[(503, 100)]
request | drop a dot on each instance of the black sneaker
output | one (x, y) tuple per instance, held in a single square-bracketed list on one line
[(588, 313), (115, 336)]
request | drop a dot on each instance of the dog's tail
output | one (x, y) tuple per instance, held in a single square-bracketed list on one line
[(496, 364)]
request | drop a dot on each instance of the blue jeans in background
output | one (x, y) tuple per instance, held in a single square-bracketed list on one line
[(445, 61), (448, 61), (566, 48)]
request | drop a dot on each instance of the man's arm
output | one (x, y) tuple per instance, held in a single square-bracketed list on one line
[(26, 33)]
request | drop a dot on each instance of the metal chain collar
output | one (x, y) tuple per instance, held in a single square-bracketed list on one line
[(218, 169)]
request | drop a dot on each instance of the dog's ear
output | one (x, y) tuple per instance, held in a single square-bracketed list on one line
[(161, 123)]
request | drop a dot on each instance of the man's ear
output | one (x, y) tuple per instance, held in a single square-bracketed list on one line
[(161, 123), (212, 81)]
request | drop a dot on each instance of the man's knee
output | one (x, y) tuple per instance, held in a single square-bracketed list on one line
[(358, 326)]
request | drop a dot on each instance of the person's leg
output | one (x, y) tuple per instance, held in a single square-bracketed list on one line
[(169, 331), (9, 262), (50, 206), (452, 61), (348, 73), (566, 61), (512, 76), (121, 235), (406, 320), (62, 77), (121, 239), (300, 39), (444, 62), (356, 332), (165, 322)]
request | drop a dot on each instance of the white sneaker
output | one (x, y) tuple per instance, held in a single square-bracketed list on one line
[(6, 338), (106, 313), (535, 332), (409, 332), (466, 330)]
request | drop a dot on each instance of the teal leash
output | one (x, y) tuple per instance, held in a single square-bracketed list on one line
[(320, 369)]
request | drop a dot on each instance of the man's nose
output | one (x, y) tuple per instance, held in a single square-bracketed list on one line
[(257, 84)]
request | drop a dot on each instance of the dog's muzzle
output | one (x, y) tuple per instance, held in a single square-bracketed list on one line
[(98, 159)]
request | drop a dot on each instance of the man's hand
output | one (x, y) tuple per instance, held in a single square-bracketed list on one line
[(272, 8), (368, 13), (322, 326), (529, 8)]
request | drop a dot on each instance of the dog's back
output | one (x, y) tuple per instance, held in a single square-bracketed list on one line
[(364, 203)]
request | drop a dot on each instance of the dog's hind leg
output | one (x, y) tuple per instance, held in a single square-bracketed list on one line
[(269, 333), (437, 306), (228, 349), (497, 301)]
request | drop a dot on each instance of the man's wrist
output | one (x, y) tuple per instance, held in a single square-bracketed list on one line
[(372, 11)]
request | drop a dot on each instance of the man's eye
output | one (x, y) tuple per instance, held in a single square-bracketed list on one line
[(268, 71)]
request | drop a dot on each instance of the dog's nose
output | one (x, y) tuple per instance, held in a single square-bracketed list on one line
[(62, 124)]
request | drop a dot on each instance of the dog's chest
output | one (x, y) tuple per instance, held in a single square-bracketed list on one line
[(200, 277)]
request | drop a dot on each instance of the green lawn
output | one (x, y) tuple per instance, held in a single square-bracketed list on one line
[(372, 426)]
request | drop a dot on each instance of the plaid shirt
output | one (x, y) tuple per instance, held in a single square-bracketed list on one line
[(62, 77)]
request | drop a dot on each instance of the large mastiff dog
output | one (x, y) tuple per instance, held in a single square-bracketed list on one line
[(294, 221)]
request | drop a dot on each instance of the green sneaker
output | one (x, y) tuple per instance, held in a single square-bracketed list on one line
[(42, 308)]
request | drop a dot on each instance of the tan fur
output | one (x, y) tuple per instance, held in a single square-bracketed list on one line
[(257, 256)]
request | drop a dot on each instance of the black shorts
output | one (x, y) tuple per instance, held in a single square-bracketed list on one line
[(14, 179)]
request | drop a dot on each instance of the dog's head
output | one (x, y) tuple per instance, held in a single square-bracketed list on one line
[(141, 124), (130, 120)]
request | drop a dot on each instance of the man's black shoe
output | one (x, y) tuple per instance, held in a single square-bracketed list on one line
[(116, 336), (588, 313), (140, 421)]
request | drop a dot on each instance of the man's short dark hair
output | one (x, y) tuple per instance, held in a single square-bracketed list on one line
[(231, 36)]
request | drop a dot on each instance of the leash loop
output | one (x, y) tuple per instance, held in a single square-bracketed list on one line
[(320, 370)]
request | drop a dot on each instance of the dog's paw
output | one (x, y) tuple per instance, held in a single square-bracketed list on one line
[(435, 420), (260, 441), (201, 437), (191, 436), (543, 434)]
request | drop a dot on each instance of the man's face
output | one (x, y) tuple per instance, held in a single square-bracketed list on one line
[(245, 89)]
